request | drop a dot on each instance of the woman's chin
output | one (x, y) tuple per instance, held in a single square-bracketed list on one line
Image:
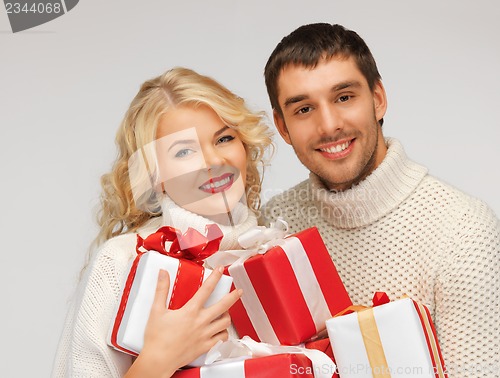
[(214, 205)]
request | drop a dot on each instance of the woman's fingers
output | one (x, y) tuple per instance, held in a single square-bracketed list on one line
[(208, 286), (200, 297), (161, 294), (224, 304), (222, 336), (218, 325)]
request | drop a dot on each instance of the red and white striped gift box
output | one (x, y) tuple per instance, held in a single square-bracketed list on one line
[(288, 292), (127, 330), (276, 366), (395, 339), (324, 346)]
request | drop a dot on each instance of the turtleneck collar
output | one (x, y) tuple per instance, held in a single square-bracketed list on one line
[(378, 194), (180, 218)]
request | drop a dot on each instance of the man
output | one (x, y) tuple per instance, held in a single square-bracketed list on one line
[(389, 226)]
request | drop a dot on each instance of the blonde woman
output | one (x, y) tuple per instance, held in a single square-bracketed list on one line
[(190, 153)]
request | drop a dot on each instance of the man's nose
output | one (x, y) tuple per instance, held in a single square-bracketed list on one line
[(329, 119)]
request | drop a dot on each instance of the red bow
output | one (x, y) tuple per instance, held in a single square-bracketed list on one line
[(191, 245), (380, 298)]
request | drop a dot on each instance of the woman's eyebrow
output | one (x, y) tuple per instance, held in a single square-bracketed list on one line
[(188, 141), (181, 141), (220, 131)]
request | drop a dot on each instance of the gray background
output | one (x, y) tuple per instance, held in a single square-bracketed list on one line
[(65, 85)]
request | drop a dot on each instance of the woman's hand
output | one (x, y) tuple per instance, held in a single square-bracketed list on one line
[(173, 338)]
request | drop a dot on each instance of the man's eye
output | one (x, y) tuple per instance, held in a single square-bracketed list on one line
[(225, 139), (183, 153), (304, 110), (344, 98)]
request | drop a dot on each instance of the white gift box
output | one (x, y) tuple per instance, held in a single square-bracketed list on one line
[(396, 339), (127, 329)]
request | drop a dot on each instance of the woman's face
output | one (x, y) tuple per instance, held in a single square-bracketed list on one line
[(201, 161)]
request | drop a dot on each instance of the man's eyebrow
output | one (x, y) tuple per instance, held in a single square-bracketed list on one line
[(293, 100), (344, 85), (337, 87)]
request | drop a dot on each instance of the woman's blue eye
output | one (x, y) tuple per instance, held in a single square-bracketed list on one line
[(184, 152), (225, 139)]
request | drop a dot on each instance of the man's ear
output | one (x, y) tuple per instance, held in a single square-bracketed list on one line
[(379, 100), (281, 126)]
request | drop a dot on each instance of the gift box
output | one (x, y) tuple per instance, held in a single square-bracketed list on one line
[(288, 292), (127, 329), (317, 362), (324, 346), (392, 339), (277, 366)]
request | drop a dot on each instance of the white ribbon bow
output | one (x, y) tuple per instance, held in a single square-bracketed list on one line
[(323, 366), (257, 240)]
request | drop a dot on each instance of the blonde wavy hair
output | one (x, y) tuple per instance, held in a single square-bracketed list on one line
[(118, 213)]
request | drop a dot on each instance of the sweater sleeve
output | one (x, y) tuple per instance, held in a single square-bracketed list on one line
[(467, 297), (83, 349)]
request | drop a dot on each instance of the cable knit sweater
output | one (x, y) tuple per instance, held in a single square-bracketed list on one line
[(83, 351), (403, 231)]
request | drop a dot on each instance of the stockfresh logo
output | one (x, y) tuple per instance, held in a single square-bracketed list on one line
[(30, 13)]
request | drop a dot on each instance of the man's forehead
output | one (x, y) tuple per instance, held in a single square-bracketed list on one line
[(326, 71), (313, 65)]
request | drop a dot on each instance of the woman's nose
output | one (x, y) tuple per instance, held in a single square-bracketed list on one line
[(213, 157)]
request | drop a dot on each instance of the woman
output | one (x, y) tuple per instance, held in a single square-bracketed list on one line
[(189, 155)]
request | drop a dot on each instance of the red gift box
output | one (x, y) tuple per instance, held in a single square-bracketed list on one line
[(277, 366), (324, 346), (288, 292), (126, 333)]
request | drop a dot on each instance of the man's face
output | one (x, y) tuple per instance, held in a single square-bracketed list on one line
[(330, 117)]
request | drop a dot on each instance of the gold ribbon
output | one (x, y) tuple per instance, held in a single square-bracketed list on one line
[(373, 344), (371, 339)]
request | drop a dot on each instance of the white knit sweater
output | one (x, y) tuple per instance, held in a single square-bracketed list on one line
[(404, 232), (83, 351)]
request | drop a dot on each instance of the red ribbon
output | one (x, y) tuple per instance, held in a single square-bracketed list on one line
[(191, 245), (380, 298)]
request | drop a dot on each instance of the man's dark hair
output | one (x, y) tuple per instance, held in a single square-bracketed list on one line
[(308, 44)]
